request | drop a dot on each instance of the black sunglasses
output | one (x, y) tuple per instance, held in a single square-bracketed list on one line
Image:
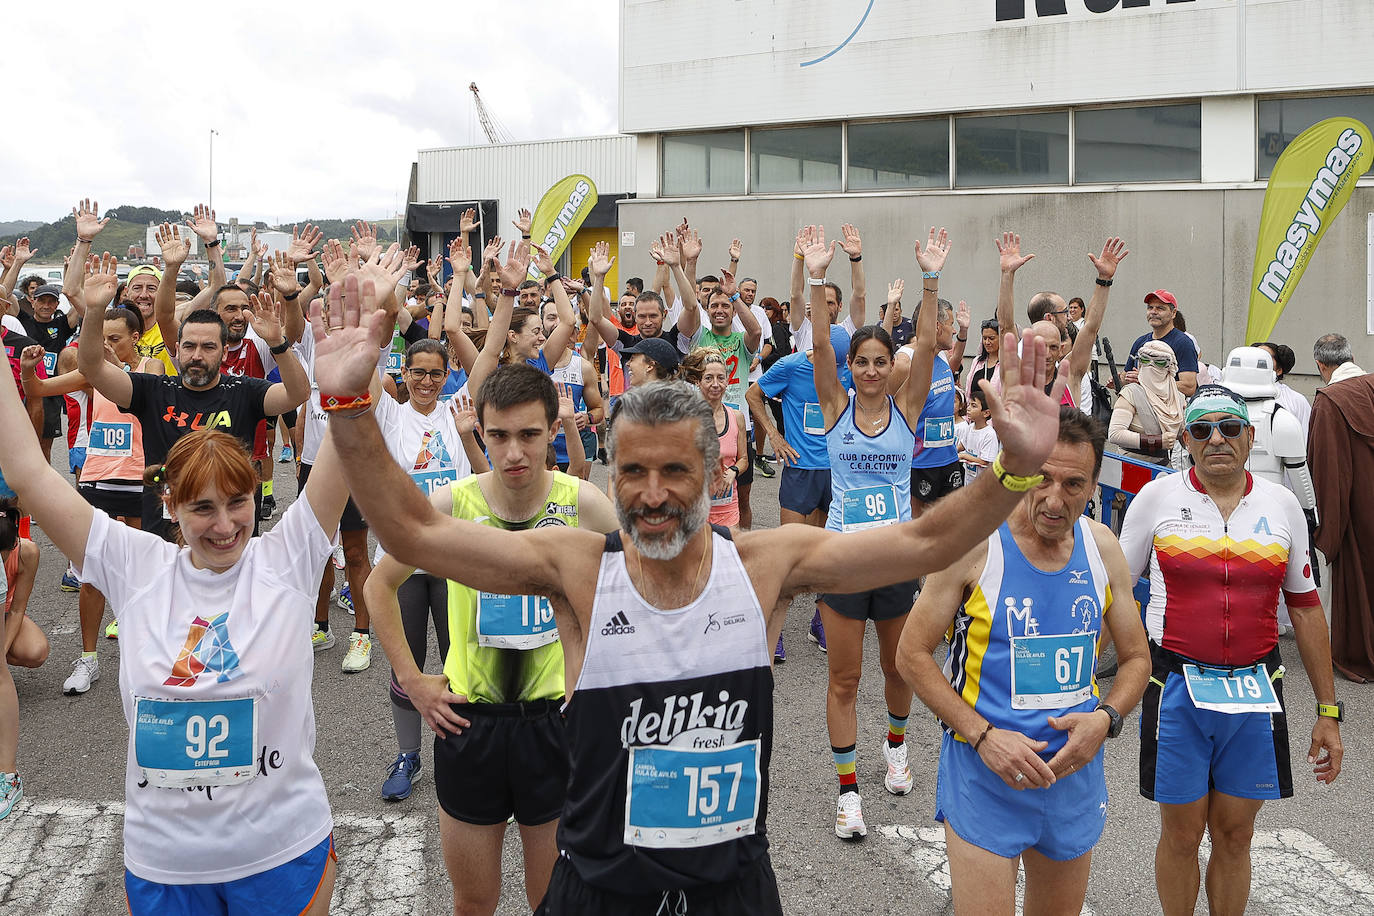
[(1231, 428)]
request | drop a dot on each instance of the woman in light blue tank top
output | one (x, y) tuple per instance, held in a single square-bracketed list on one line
[(870, 438)]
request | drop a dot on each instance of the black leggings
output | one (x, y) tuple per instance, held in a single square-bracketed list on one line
[(422, 598)]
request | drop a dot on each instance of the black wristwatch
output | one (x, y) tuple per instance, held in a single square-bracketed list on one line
[(1115, 728), (280, 348)]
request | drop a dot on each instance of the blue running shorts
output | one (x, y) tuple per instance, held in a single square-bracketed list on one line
[(287, 890)]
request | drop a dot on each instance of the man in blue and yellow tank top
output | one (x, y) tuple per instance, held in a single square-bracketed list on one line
[(1021, 777), (499, 749)]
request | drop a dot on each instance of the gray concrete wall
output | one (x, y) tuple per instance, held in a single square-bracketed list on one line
[(1197, 243)]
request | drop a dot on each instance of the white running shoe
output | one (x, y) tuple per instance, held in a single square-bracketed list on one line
[(321, 639), (337, 556), (849, 817), (898, 778), (84, 670), (359, 653)]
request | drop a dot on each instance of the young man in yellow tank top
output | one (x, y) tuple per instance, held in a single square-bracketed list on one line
[(500, 695)]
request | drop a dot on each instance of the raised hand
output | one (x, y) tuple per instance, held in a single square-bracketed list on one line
[(691, 246), (88, 221), (523, 220), (102, 280), (29, 358), (410, 259), (385, 271), (727, 282), (932, 257), (670, 252), (542, 262), (1025, 417), (894, 294), (817, 253), (266, 317), (962, 317), (567, 408), (346, 353), (302, 246), (283, 270), (464, 413), (468, 221), (364, 240), (1009, 253), (1113, 253), (803, 238), (459, 256), (22, 252), (491, 255), (735, 249), (7, 257), (600, 261), (517, 266), (202, 223), (175, 249), (850, 241), (336, 264)]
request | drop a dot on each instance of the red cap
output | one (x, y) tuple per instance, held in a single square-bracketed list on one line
[(1163, 295)]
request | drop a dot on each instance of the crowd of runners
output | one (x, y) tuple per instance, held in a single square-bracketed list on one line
[(605, 669)]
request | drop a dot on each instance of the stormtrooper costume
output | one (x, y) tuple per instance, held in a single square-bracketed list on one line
[(1279, 453)]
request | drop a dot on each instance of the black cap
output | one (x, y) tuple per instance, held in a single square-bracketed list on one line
[(656, 349), (48, 289)]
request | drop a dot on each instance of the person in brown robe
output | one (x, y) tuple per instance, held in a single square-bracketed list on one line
[(1340, 451)]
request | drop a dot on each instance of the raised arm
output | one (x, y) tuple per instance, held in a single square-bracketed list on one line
[(892, 315), (175, 249), (572, 441), (203, 224), (286, 291), (858, 286), (832, 397), (753, 331), (465, 421), (563, 334), (689, 241), (511, 274), (1113, 253), (294, 388), (923, 348), (599, 264), (797, 285), (14, 259), (1010, 261), (52, 386), (95, 280), (674, 257), (955, 354)]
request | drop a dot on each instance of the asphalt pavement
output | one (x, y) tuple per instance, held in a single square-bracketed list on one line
[(60, 850)]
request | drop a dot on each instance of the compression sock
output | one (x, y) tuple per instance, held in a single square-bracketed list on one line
[(844, 768), (407, 723), (896, 730), (266, 488), (323, 625)]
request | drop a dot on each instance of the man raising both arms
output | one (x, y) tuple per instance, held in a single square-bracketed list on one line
[(1219, 545), (663, 624), (1021, 776)]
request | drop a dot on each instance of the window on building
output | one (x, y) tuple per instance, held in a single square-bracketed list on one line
[(1281, 120), (703, 163), (899, 154), (795, 158), (1149, 143), (998, 150)]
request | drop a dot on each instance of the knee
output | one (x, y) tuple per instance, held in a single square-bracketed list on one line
[(1231, 838), (29, 656), (471, 902), (1182, 839), (844, 685), (355, 554)]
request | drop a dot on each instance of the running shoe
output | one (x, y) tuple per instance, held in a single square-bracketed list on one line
[(767, 457), (764, 467), (287, 456), (898, 778), (817, 632), (337, 557), (779, 655), (345, 599), (849, 818), (70, 583), (322, 639), (84, 670), (401, 777), (359, 653), (11, 790), (112, 631), (269, 505)]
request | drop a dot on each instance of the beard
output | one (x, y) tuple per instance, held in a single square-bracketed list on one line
[(665, 546), (198, 375), (236, 334)]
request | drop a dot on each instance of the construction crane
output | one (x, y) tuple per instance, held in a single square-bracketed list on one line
[(496, 131)]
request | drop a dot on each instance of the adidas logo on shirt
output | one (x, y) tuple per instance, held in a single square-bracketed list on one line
[(619, 625)]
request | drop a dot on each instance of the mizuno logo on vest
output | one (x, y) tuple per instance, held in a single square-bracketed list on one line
[(619, 625)]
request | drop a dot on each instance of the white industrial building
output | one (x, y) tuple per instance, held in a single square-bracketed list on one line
[(1065, 120)]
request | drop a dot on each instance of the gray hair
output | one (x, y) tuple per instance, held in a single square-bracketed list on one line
[(942, 310), (1332, 350), (659, 403)]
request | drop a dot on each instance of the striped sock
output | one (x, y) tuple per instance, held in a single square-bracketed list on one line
[(896, 730), (844, 768)]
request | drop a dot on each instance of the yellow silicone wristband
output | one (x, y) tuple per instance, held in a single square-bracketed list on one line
[(1011, 481)]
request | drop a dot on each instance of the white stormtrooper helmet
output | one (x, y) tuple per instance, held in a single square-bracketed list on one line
[(1249, 372)]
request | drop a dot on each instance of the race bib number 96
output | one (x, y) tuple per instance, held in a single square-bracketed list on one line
[(680, 798)]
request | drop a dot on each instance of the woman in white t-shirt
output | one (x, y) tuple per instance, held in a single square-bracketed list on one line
[(225, 810)]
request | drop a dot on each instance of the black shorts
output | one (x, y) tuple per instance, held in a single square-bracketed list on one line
[(114, 503), (747, 477), (53, 409), (886, 603), (755, 892), (507, 762), (804, 490), (929, 484), (352, 519)]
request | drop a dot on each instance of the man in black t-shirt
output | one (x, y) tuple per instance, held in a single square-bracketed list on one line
[(51, 331), (14, 345)]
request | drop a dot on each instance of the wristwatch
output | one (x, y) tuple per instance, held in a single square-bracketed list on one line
[(1332, 711), (1114, 728)]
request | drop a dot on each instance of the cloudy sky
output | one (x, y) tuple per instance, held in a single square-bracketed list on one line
[(319, 113)]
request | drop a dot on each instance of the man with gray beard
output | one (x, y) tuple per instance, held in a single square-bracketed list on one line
[(667, 625)]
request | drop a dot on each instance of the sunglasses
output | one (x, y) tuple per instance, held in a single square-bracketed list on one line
[(437, 374), (1159, 361), (1231, 428)]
